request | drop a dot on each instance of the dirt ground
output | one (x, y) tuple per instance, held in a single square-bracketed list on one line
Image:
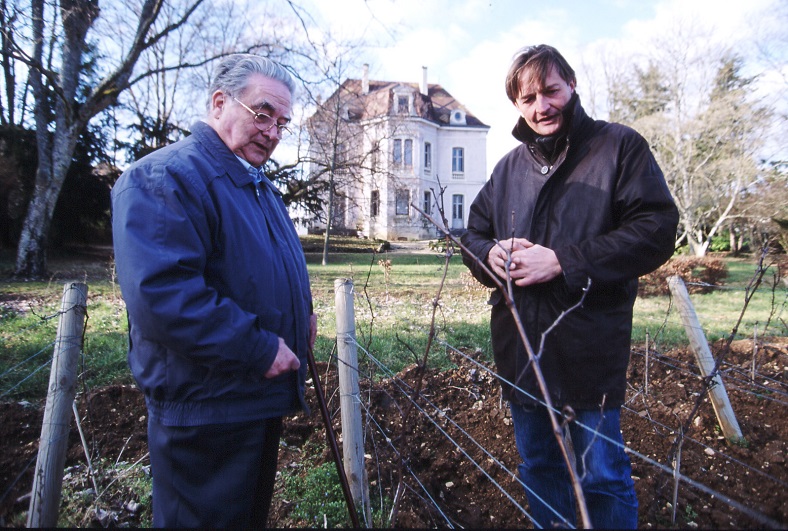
[(753, 474)]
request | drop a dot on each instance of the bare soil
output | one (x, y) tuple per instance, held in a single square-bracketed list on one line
[(753, 474)]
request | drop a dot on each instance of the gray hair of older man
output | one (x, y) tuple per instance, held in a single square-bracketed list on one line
[(233, 72)]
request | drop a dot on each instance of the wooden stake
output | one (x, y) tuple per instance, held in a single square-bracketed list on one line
[(700, 347), (48, 477), (349, 397)]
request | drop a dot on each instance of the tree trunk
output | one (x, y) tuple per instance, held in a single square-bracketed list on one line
[(31, 257), (732, 240), (55, 149), (329, 215)]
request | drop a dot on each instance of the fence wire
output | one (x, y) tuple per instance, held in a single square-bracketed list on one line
[(381, 379), (754, 383)]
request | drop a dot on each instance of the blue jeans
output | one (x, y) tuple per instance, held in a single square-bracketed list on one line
[(603, 468)]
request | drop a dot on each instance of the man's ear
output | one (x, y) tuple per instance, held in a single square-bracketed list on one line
[(218, 101)]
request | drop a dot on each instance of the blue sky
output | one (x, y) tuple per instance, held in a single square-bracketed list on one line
[(466, 45)]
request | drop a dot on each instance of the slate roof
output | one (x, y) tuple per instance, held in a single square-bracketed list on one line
[(436, 107)]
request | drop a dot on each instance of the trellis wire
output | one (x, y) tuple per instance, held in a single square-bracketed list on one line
[(726, 370), (671, 471), (26, 378), (400, 382), (407, 467), (707, 447), (744, 509)]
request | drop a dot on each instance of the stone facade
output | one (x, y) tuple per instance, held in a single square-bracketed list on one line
[(387, 146)]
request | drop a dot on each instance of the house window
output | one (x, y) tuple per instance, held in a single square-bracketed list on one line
[(457, 160), (403, 202), (374, 203), (397, 152), (427, 206), (403, 156), (427, 157), (338, 211), (402, 105)]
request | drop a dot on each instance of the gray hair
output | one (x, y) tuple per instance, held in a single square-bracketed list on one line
[(234, 71)]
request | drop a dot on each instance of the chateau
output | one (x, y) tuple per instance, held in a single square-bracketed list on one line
[(381, 147)]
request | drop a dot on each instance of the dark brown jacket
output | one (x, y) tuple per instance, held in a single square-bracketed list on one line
[(604, 208)]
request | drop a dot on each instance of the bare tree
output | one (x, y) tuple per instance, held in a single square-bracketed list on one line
[(169, 36), (61, 113), (706, 128)]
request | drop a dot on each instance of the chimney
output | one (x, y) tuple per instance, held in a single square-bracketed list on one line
[(365, 80), (424, 87)]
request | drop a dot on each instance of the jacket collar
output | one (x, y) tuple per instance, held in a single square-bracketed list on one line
[(224, 161)]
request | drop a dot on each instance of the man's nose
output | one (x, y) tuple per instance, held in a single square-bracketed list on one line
[(541, 103), (272, 133)]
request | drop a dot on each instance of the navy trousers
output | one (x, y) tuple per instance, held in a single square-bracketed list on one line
[(219, 475)]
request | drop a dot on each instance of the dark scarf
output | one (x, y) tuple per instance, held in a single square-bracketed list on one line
[(549, 146)]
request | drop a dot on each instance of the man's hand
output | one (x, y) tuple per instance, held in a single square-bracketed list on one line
[(534, 265), (530, 264), (285, 361), (501, 252)]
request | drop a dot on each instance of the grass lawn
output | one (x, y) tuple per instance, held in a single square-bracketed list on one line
[(394, 303)]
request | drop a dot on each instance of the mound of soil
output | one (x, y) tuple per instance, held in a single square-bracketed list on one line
[(735, 486)]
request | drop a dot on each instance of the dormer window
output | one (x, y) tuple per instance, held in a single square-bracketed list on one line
[(402, 105), (403, 101), (457, 117)]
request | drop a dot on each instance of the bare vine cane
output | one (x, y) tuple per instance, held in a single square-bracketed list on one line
[(533, 360), (331, 438), (416, 393)]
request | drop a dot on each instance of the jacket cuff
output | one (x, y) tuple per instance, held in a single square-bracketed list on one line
[(269, 346), (574, 275)]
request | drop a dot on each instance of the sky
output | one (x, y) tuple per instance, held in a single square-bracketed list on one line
[(467, 45)]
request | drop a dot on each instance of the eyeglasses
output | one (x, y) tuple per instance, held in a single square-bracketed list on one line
[(264, 123)]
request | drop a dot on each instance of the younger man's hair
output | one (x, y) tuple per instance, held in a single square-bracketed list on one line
[(537, 60)]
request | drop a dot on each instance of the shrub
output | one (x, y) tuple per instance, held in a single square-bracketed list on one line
[(699, 273)]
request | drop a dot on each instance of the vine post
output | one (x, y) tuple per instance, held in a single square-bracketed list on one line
[(48, 477), (700, 347), (349, 397)]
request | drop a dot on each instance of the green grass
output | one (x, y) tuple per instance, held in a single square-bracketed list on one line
[(394, 303), (718, 311), (393, 311)]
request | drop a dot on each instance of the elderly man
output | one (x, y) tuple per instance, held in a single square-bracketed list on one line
[(219, 303), (578, 199)]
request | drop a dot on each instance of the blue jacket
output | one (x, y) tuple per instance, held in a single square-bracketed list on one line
[(212, 273)]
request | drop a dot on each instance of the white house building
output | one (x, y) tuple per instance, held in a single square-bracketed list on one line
[(386, 146)]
